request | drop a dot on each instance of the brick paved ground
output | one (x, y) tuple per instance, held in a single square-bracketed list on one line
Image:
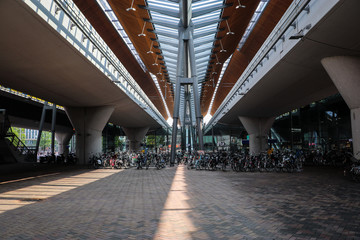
[(176, 203)]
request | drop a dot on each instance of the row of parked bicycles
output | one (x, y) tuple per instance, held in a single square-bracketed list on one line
[(128, 160), (69, 159), (241, 162), (278, 161)]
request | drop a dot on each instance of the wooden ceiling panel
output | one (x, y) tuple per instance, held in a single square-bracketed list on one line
[(237, 21), (270, 17), (134, 24), (104, 27)]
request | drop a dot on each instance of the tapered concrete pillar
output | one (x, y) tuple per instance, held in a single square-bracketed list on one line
[(88, 123), (344, 71), (135, 136), (258, 129), (63, 139)]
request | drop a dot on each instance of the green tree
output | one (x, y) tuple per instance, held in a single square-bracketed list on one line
[(150, 141), (45, 141), (119, 142), (19, 132)]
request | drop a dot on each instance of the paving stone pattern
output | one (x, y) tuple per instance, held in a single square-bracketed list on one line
[(176, 203)]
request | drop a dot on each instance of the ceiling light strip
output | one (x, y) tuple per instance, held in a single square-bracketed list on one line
[(224, 67)]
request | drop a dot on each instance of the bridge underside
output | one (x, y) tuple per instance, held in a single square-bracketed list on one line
[(37, 60), (299, 78)]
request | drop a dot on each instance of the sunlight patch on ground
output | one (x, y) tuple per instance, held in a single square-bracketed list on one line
[(175, 222), (37, 192)]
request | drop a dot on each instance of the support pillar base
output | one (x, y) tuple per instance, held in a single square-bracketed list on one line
[(135, 136), (88, 123), (63, 139), (257, 129), (344, 71)]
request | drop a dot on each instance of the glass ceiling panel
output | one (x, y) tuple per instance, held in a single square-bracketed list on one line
[(160, 17), (165, 29), (206, 28), (164, 4), (170, 55), (204, 47), (201, 22), (170, 40), (208, 14), (204, 39), (201, 3)]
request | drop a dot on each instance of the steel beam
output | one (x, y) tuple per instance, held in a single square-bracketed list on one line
[(53, 123), (41, 126), (196, 92)]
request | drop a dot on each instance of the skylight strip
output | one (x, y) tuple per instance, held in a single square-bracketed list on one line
[(162, 97), (226, 63), (110, 14), (259, 10)]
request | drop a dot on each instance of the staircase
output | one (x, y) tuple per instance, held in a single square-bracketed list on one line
[(277, 136), (12, 149)]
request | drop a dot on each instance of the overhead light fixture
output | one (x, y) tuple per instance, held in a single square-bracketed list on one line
[(240, 5), (57, 9), (150, 51), (72, 25), (229, 30), (142, 34), (222, 47), (300, 34), (297, 35), (217, 59), (155, 64), (131, 8), (83, 38)]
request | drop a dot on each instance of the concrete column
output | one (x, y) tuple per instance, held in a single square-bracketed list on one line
[(135, 136), (344, 71), (258, 129), (63, 139), (88, 123)]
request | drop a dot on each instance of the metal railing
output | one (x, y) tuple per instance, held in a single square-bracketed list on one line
[(27, 96), (15, 142)]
